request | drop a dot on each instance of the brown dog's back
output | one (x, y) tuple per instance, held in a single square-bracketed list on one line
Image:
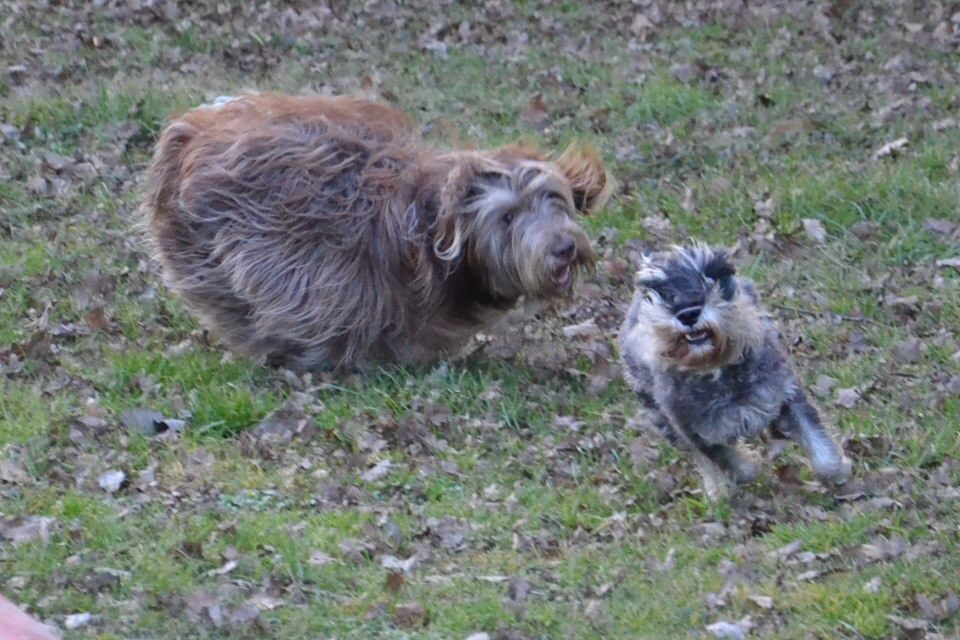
[(243, 195)]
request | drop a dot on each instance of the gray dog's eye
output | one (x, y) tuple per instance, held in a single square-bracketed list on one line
[(507, 217)]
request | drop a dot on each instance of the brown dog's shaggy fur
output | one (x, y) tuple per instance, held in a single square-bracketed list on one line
[(322, 232)]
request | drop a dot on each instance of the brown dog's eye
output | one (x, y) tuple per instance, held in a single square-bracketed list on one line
[(507, 218), (557, 197)]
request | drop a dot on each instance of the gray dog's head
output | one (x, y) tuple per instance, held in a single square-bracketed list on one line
[(694, 312), (511, 215)]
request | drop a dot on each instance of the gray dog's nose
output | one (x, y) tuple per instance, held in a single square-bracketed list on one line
[(689, 316), (564, 249)]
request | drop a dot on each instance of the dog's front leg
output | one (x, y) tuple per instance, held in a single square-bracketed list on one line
[(731, 458), (800, 421), (710, 459)]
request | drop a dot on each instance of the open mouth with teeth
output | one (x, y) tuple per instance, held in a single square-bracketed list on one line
[(563, 277), (700, 337)]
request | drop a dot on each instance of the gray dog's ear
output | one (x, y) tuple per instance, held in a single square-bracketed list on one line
[(589, 180), (649, 272)]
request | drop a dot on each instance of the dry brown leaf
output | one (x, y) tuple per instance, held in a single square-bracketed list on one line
[(27, 529), (891, 149), (410, 615), (815, 230), (536, 114), (641, 26), (765, 206), (848, 398)]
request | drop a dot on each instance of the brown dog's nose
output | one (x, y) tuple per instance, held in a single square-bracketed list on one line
[(564, 249)]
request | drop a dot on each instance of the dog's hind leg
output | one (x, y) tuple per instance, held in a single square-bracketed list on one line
[(800, 421)]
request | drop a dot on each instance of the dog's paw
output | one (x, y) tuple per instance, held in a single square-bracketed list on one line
[(746, 472), (744, 466), (832, 470), (717, 486)]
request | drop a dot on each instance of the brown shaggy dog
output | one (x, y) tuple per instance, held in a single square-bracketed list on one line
[(322, 232)]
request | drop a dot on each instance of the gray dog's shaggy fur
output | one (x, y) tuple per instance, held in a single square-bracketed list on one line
[(322, 232), (705, 358)]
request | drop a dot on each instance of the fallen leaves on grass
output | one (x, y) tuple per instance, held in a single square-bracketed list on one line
[(27, 529), (377, 471), (536, 114), (891, 149), (150, 423), (410, 615), (729, 630), (815, 230), (13, 472), (112, 481), (848, 398)]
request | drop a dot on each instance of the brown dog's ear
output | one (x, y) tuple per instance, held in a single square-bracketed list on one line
[(453, 222), (589, 180)]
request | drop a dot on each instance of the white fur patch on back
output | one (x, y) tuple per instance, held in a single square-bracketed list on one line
[(219, 101)]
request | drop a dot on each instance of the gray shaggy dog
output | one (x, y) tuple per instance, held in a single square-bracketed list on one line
[(707, 360), (324, 233)]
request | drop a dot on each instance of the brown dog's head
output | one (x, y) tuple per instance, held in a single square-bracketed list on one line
[(511, 214)]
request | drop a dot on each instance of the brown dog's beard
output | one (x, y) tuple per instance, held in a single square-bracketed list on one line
[(519, 257), (543, 279)]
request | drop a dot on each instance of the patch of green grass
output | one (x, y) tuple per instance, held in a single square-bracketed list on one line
[(666, 101), (24, 413), (223, 398)]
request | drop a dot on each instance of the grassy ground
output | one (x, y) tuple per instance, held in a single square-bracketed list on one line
[(513, 492)]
